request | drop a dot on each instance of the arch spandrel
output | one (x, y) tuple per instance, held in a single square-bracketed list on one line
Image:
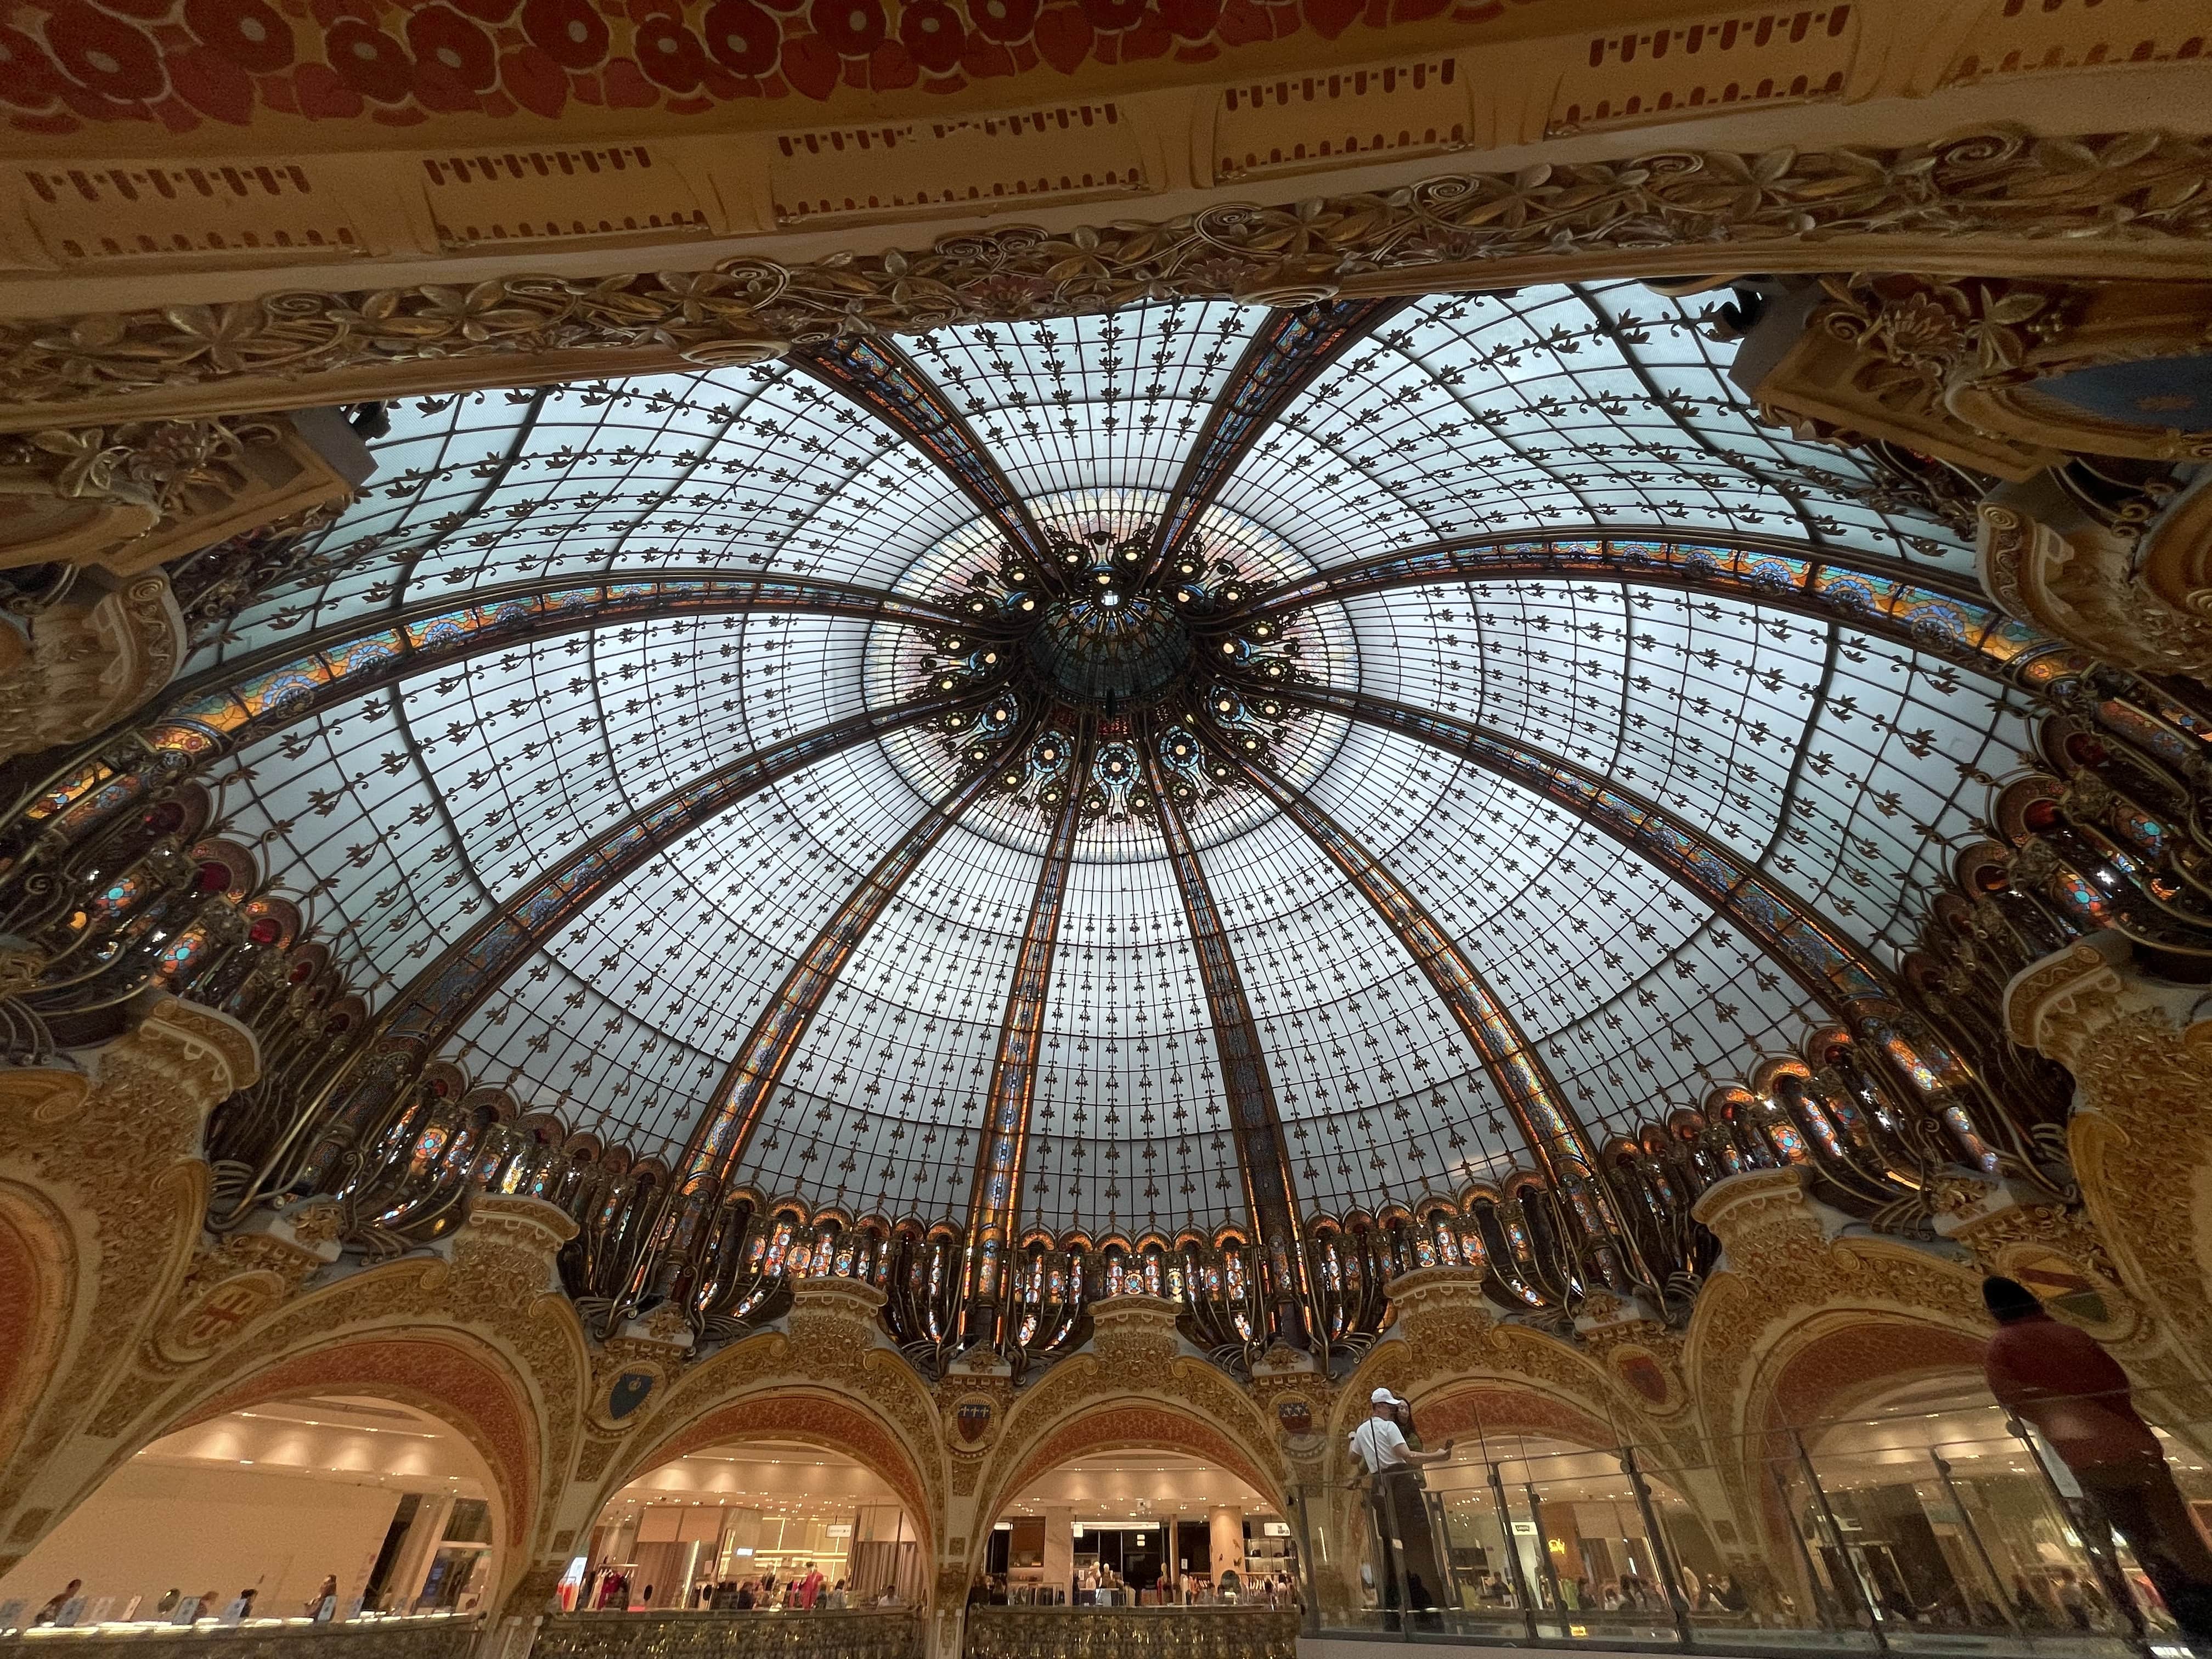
[(479, 1339), (108, 1157), (881, 1393), (1789, 1284), (38, 1303), (1433, 1364), (1135, 1365)]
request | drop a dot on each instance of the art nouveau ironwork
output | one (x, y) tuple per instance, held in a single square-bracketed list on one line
[(1195, 801)]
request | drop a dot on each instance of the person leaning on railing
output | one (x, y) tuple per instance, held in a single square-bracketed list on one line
[(2060, 1380)]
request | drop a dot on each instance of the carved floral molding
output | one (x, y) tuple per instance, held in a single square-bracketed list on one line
[(2137, 194)]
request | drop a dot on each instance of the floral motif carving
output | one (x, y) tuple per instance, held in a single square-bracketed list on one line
[(169, 468), (2002, 183), (89, 660), (117, 1151), (2141, 1135)]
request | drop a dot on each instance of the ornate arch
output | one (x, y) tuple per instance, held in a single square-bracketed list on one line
[(38, 1302), (1112, 1426), (455, 1376), (1831, 1361), (1488, 1405), (784, 1411)]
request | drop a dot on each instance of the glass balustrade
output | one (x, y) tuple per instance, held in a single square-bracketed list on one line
[(1939, 1525)]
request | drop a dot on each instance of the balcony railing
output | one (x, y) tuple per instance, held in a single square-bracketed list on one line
[(431, 1637), (859, 1634), (1073, 1632), (1945, 1526)]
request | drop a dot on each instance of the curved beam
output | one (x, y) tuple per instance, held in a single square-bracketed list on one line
[(1290, 352), (444, 994), (1548, 1123), (994, 1201), (425, 1016), (1809, 946), (725, 1130), (881, 378), (277, 686), (1926, 611), (1255, 1121), (222, 710)]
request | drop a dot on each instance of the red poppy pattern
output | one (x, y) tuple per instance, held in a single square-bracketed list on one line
[(67, 64)]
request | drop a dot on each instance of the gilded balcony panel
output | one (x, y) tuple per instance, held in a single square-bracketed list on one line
[(1215, 1632), (439, 1638), (871, 1634)]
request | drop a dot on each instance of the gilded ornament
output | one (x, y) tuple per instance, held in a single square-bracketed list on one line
[(1441, 233)]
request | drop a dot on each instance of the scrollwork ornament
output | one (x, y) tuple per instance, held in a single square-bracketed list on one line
[(2142, 188)]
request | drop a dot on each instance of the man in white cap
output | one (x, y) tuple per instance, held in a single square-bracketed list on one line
[(1405, 1543)]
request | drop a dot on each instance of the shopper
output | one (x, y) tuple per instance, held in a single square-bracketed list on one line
[(52, 1610), (1405, 1547), (2077, 1397)]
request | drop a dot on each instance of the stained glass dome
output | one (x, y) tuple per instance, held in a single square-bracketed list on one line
[(1124, 772)]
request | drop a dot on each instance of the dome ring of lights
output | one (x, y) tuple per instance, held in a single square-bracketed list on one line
[(1193, 779)]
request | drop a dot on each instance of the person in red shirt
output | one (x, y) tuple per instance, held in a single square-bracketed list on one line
[(2077, 1397)]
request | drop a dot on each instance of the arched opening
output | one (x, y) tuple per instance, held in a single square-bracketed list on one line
[(1923, 1506), (743, 1523), (1138, 1526), (282, 1498)]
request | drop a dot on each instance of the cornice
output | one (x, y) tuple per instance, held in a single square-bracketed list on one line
[(2131, 202)]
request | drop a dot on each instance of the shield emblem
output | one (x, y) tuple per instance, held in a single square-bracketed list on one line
[(1295, 1415), (630, 1391), (973, 1417), (1643, 1375)]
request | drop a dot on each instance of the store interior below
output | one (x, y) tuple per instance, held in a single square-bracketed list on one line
[(360, 1502), (751, 1525), (1139, 1528)]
